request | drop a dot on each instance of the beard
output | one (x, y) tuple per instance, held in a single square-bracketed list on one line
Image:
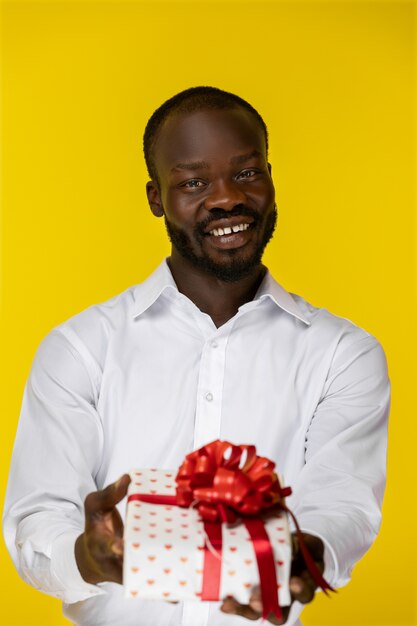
[(234, 267)]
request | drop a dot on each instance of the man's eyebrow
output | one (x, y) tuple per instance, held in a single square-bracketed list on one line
[(242, 158), (203, 165), (196, 165)]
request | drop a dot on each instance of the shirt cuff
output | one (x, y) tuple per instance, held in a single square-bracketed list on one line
[(331, 569), (71, 585)]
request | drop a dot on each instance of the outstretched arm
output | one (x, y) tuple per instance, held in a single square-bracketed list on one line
[(338, 494), (56, 458)]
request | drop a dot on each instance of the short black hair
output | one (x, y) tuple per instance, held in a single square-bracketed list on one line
[(189, 101)]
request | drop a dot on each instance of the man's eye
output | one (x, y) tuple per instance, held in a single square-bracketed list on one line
[(247, 174), (193, 183)]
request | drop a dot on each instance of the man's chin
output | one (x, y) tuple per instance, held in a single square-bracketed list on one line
[(230, 270)]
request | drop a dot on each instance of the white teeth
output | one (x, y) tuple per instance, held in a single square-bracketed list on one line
[(218, 232)]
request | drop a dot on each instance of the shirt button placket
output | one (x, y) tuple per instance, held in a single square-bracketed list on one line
[(209, 392)]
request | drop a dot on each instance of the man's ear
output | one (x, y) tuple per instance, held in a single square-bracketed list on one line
[(154, 198), (269, 169)]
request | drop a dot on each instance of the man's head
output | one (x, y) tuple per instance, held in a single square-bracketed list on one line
[(206, 153)]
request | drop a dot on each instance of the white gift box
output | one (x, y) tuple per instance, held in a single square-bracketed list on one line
[(164, 548)]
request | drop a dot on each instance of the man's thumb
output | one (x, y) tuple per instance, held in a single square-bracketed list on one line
[(106, 499)]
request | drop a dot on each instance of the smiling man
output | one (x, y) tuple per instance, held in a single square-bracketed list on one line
[(209, 346)]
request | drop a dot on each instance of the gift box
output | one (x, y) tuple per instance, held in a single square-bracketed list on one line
[(216, 527)]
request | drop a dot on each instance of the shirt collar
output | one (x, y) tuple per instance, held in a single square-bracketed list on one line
[(150, 290), (161, 279), (269, 288)]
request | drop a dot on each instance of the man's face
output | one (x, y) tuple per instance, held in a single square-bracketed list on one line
[(215, 190)]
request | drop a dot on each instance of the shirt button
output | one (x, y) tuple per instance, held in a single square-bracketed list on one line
[(209, 396), (214, 344)]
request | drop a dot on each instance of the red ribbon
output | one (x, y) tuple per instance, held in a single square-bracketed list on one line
[(212, 562), (226, 482), (266, 567)]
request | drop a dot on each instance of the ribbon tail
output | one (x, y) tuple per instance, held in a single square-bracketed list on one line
[(309, 561), (212, 562), (266, 566)]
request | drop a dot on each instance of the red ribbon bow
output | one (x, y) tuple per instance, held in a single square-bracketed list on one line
[(226, 482)]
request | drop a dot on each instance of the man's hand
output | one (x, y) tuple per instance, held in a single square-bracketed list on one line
[(302, 586), (99, 549)]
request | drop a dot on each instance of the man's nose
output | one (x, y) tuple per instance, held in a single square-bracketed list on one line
[(224, 195)]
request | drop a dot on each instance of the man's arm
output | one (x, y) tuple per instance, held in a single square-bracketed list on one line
[(337, 497), (338, 494), (57, 454)]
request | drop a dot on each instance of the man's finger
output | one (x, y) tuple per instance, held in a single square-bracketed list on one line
[(253, 610), (116, 547), (302, 588), (106, 499), (231, 606), (255, 600)]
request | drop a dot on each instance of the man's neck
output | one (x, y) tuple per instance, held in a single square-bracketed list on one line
[(219, 299)]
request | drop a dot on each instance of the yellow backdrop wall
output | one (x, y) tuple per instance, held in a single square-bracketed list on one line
[(335, 82)]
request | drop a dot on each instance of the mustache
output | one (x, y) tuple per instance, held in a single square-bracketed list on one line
[(218, 214)]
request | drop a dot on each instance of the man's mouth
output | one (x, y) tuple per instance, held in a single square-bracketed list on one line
[(228, 230), (228, 233), (229, 225)]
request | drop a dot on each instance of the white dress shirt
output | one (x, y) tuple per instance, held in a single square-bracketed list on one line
[(146, 377)]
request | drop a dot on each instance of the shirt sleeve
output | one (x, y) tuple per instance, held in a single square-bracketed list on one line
[(338, 494), (56, 456)]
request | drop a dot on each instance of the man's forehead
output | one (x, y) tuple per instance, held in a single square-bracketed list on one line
[(194, 135)]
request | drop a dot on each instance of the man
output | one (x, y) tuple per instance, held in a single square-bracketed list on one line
[(209, 346)]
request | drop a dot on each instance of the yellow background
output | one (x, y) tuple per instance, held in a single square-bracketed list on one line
[(335, 82)]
